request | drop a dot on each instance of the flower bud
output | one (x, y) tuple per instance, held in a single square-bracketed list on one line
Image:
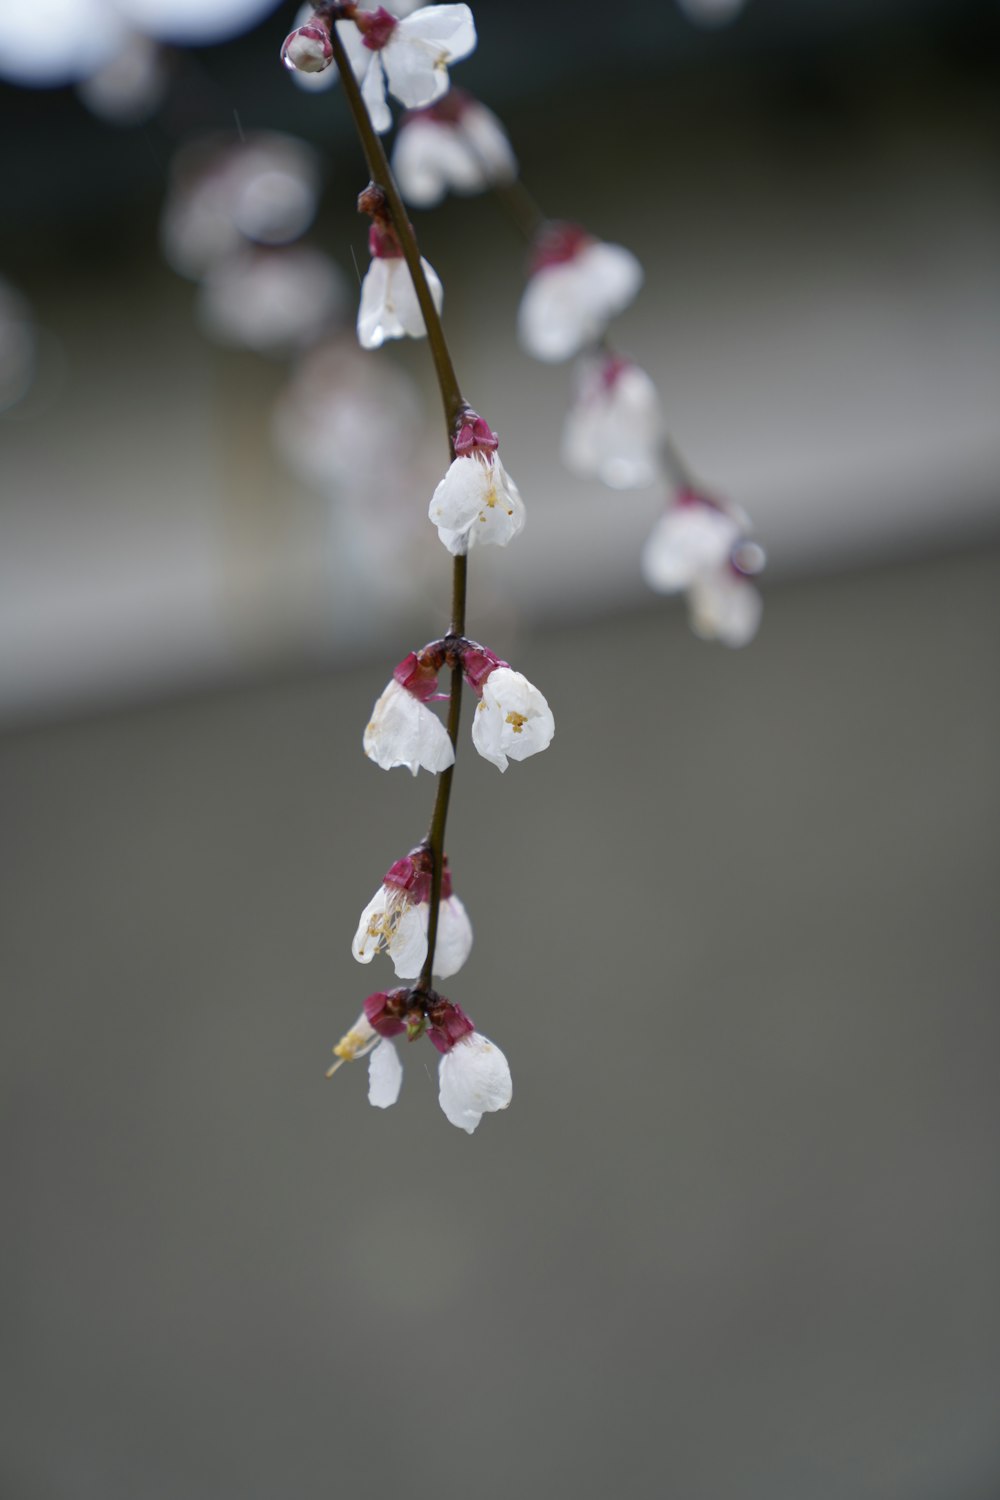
[(307, 49)]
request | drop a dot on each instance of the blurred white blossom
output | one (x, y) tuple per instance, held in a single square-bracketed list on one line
[(130, 86), (271, 300), (614, 430), (576, 286), (224, 192), (457, 145), (347, 420)]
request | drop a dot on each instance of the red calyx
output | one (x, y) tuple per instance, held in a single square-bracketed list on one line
[(477, 664), (448, 1025), (557, 243), (385, 1011), (474, 436), (418, 675), (376, 27)]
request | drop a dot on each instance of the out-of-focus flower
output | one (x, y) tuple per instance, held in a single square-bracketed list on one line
[(725, 606), (271, 300), (194, 22), (130, 86), (614, 429), (347, 420), (456, 145), (62, 42), (699, 545), (409, 56), (389, 308), (396, 918), (224, 193), (694, 535), (402, 730), (473, 1074), (576, 285), (476, 501), (512, 719)]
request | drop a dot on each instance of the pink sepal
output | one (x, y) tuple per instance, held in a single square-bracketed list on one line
[(383, 243), (376, 27), (557, 243), (449, 1025), (477, 664), (380, 1018), (412, 874), (475, 436), (417, 677)]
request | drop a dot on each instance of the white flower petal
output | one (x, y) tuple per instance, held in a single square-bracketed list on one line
[(358, 55), (368, 938), (403, 731), (725, 607), (686, 541), (373, 93), (488, 142), (568, 305), (385, 1075), (408, 947), (454, 938), (614, 430), (473, 1080), (476, 502), (448, 29), (416, 75), (389, 308), (429, 158), (512, 719)]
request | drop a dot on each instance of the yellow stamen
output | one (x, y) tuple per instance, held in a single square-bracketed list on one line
[(517, 720)]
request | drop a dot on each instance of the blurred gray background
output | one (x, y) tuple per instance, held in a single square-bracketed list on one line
[(739, 1233)]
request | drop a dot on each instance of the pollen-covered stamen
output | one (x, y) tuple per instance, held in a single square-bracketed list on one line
[(516, 721), (376, 27)]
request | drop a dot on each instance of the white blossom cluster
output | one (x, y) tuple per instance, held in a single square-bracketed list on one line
[(415, 918)]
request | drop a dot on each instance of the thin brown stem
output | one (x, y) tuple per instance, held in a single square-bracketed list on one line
[(455, 407), (381, 174)]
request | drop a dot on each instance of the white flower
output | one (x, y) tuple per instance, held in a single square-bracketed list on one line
[(397, 924), (699, 546), (725, 606), (263, 188), (457, 145), (614, 430), (691, 538), (389, 308), (270, 300), (403, 731), (409, 56), (578, 285), (385, 1071), (476, 502), (512, 719), (473, 1079)]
